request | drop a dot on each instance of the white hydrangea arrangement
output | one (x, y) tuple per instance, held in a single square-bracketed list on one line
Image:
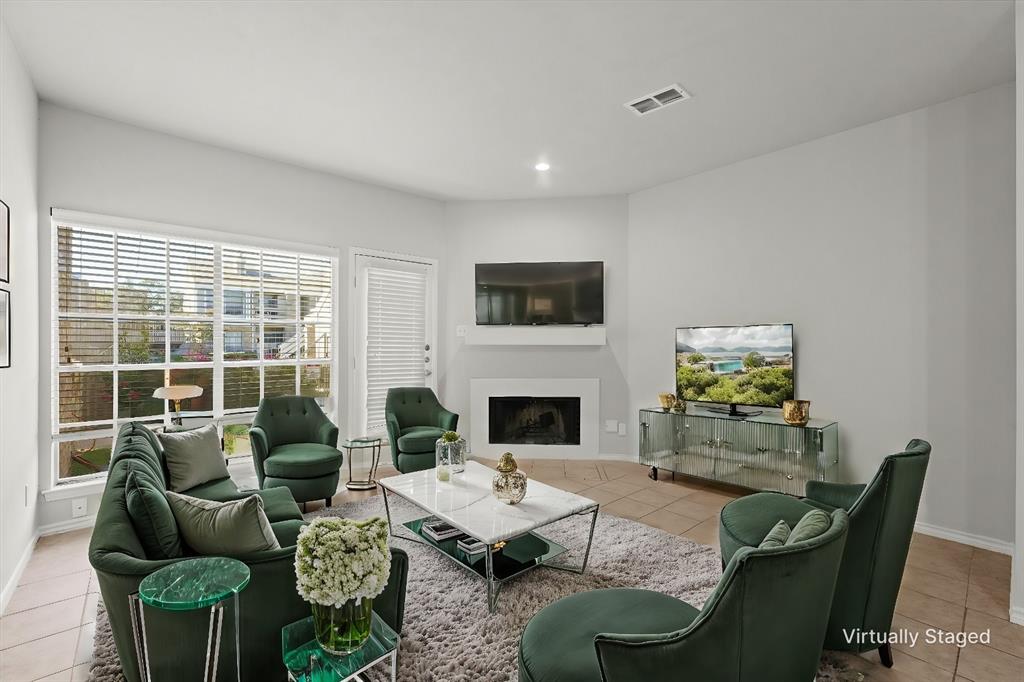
[(339, 560)]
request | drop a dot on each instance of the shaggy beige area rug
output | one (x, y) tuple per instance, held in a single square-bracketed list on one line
[(448, 634)]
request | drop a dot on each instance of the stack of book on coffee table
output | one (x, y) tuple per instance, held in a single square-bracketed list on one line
[(440, 531)]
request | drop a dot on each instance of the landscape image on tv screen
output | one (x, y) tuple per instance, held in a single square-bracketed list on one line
[(750, 365)]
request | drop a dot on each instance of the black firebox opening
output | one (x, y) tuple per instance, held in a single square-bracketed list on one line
[(527, 420)]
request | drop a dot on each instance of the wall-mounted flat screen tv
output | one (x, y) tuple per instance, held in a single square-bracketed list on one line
[(540, 293), (745, 365)]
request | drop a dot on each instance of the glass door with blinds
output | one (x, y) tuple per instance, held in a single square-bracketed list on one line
[(395, 333)]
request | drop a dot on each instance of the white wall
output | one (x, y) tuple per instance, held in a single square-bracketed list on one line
[(1017, 585), (19, 424), (98, 165), (538, 230), (890, 246)]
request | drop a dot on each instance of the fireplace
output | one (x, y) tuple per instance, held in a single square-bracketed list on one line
[(553, 418), (529, 420)]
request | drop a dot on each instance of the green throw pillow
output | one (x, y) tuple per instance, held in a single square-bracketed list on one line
[(232, 528), (151, 517), (193, 457), (777, 536), (813, 524)]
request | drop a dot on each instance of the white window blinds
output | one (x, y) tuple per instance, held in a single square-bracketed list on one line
[(396, 333), (134, 312)]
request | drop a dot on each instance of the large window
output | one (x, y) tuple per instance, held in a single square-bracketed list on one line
[(134, 312)]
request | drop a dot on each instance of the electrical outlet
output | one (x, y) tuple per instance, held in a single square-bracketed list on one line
[(622, 428), (460, 331), (611, 425), (78, 507)]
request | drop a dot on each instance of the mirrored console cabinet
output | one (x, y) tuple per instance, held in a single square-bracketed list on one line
[(761, 453)]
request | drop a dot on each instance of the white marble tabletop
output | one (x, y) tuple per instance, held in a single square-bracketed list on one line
[(466, 502)]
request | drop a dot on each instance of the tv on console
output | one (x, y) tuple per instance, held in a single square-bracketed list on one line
[(540, 293), (745, 365)]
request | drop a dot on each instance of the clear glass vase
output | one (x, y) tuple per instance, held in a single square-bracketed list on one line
[(450, 455), (340, 630)]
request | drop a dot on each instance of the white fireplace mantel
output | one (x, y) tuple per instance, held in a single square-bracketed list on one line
[(588, 391)]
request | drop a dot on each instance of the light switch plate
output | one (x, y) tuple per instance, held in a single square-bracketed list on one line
[(622, 428), (460, 331), (611, 425)]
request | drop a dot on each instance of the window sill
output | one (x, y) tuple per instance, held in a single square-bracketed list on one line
[(70, 490)]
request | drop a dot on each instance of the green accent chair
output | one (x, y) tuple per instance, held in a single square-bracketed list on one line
[(882, 515), (177, 640), (764, 621), (295, 445), (415, 420)]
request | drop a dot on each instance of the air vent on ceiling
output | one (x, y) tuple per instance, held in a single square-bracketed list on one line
[(658, 100)]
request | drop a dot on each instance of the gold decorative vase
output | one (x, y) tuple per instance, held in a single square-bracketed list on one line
[(509, 484), (669, 401), (796, 412)]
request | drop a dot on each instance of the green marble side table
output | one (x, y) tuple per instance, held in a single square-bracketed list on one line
[(186, 585), (306, 661)]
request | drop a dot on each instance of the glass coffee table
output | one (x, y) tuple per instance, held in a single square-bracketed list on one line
[(362, 444), (508, 532), (307, 662), (186, 585)]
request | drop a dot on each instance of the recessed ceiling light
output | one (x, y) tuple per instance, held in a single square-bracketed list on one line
[(543, 166)]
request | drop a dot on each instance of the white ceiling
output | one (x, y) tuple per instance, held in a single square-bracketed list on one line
[(459, 100)]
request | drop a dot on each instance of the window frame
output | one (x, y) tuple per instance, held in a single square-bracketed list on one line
[(219, 241)]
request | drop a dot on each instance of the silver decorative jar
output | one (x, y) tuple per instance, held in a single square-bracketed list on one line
[(509, 484)]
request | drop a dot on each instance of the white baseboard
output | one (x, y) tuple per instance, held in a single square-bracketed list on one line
[(979, 541), (65, 526), (19, 569), (1017, 615), (618, 458)]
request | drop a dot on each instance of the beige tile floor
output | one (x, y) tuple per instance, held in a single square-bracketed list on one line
[(46, 632)]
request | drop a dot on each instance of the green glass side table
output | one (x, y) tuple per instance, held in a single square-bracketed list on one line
[(186, 585), (359, 444), (306, 661)]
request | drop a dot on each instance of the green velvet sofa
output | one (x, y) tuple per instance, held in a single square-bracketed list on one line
[(295, 445), (882, 515), (765, 621), (177, 641), (415, 420)]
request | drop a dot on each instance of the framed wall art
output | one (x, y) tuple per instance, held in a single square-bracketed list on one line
[(5, 329), (5, 242)]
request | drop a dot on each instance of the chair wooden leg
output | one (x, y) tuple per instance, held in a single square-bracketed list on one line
[(327, 502), (885, 654)]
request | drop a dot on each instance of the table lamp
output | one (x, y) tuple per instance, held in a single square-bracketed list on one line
[(177, 394)]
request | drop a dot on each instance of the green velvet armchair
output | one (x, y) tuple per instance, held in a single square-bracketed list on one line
[(177, 640), (882, 515), (764, 621), (415, 420), (295, 445)]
